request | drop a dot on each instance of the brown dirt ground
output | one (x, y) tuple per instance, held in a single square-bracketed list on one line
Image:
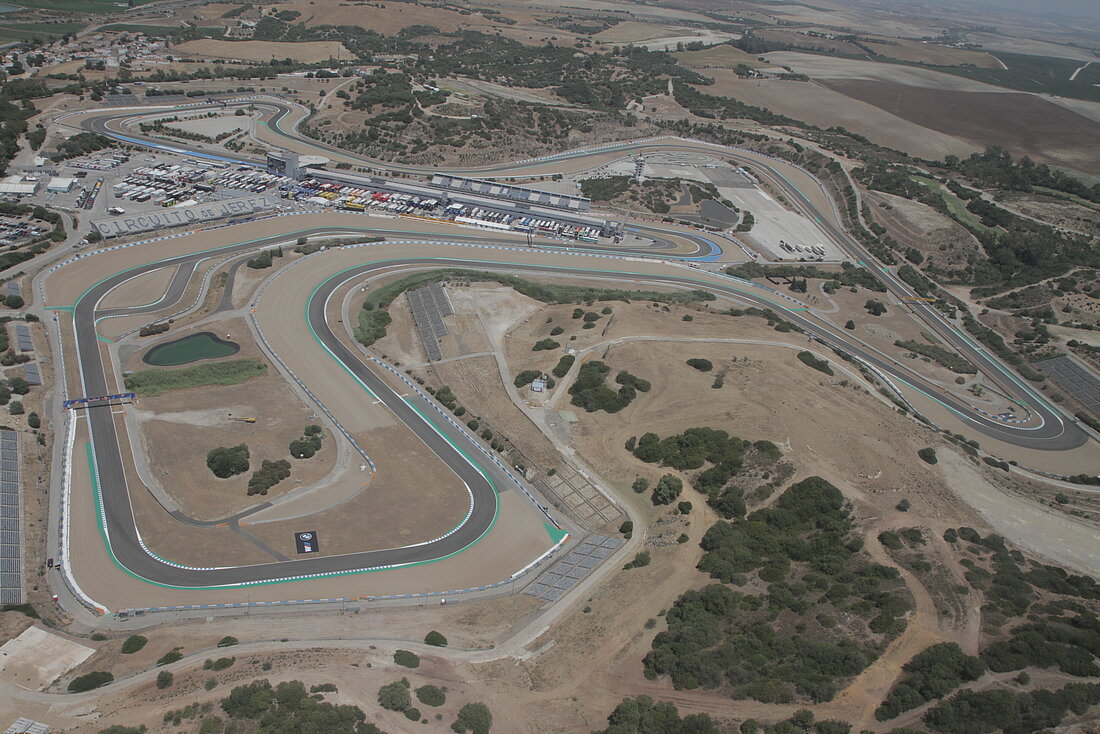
[(942, 240), (196, 421), (306, 51), (1024, 124), (385, 18), (1059, 213)]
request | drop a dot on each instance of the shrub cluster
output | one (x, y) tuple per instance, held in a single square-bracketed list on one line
[(268, 475), (590, 392), (309, 444), (226, 462)]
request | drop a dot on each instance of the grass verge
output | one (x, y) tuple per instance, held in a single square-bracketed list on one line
[(151, 383)]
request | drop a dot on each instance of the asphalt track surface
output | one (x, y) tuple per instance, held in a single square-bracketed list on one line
[(1053, 434)]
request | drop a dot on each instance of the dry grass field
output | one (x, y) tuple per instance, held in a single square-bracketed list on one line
[(721, 55), (821, 105), (932, 53), (631, 31), (307, 51)]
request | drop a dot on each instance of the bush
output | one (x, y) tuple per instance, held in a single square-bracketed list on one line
[(309, 444), (268, 475), (526, 377), (820, 365), (931, 674), (226, 462), (164, 679), (219, 664), (590, 392), (395, 696), (133, 643), (474, 717), (15, 407), (703, 365), (407, 659), (170, 657), (227, 641), (435, 639), (667, 490), (34, 421), (90, 681), (545, 345), (412, 714), (874, 307), (640, 485), (640, 559), (928, 455), (431, 696), (563, 366)]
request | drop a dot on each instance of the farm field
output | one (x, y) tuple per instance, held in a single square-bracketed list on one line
[(932, 53), (1024, 124), (821, 105)]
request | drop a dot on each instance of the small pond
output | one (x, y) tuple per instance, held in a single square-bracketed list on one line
[(191, 348)]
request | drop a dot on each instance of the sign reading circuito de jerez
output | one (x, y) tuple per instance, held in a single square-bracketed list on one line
[(184, 215)]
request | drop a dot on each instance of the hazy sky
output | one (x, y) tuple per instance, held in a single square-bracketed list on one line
[(1080, 8)]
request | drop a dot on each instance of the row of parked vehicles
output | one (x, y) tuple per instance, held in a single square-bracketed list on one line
[(357, 199), (171, 185)]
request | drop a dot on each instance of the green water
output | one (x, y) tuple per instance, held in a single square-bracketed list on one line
[(190, 349)]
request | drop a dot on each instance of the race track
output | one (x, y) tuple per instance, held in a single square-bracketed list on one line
[(1048, 432)]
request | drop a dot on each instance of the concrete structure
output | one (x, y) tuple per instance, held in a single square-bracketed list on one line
[(61, 185), (511, 192), (293, 165), (18, 185)]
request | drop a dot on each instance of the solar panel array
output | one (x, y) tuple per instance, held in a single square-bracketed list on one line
[(429, 305), (566, 573), (27, 726), (1074, 379), (11, 538), (12, 287), (33, 375), (23, 338)]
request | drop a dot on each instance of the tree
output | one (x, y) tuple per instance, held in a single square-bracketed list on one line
[(474, 717), (703, 365), (395, 696), (875, 307), (850, 325), (667, 490), (928, 455), (226, 462), (406, 658), (431, 695), (15, 407), (435, 639), (14, 302), (34, 421), (164, 679), (133, 644), (90, 681), (19, 386), (640, 485)]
